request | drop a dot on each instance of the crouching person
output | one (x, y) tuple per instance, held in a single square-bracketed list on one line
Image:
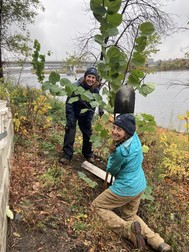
[(125, 164)]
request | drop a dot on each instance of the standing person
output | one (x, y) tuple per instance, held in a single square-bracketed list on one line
[(90, 81), (125, 164)]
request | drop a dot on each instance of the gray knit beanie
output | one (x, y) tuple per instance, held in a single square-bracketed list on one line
[(92, 71), (126, 122)]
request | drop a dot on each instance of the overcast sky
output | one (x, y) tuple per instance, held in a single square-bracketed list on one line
[(62, 20)]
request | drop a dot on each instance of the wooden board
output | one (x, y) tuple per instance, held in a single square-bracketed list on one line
[(95, 170)]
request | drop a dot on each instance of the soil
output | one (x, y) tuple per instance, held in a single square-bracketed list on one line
[(51, 205), (46, 220)]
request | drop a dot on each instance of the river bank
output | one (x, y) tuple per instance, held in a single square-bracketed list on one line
[(51, 202)]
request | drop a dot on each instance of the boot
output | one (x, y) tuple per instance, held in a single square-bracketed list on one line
[(164, 247), (136, 236), (91, 160), (64, 161)]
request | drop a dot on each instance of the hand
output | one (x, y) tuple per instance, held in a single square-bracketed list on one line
[(112, 148)]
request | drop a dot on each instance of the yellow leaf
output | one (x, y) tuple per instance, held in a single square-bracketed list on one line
[(16, 234), (9, 213)]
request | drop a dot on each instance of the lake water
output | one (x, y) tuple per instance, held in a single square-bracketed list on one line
[(170, 98)]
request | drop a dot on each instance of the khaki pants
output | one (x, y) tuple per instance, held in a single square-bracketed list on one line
[(107, 201)]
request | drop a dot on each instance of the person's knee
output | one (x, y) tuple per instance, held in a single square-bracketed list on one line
[(93, 206), (128, 217)]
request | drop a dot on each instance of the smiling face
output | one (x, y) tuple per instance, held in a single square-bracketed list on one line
[(118, 133), (90, 79)]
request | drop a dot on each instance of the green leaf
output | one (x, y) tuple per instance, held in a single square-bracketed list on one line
[(91, 183), (145, 148), (115, 19), (98, 17), (62, 92), (146, 89), (96, 140), (145, 122), (114, 75), (109, 109), (111, 32), (84, 110), (97, 97), (147, 194), (137, 73), (55, 90), (54, 77), (94, 104), (113, 53), (114, 85), (97, 7), (138, 59), (80, 90), (99, 39), (105, 118), (103, 68), (133, 80), (73, 99), (65, 81), (114, 6), (87, 96), (147, 28), (46, 85), (104, 133), (105, 91), (98, 127), (148, 117), (141, 43), (70, 89), (116, 59)]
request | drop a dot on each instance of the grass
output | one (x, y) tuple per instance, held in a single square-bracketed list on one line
[(56, 200), (69, 197)]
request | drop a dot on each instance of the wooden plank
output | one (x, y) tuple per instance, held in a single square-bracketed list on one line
[(95, 170)]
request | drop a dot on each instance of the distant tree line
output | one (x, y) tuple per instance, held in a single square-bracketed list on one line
[(175, 64)]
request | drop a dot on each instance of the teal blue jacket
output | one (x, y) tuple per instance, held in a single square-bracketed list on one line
[(125, 164)]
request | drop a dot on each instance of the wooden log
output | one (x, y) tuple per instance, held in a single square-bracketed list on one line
[(96, 171)]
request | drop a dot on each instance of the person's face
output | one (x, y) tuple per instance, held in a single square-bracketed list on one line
[(90, 79), (118, 133)]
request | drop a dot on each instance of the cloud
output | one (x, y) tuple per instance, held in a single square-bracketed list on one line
[(63, 20), (176, 44), (57, 27)]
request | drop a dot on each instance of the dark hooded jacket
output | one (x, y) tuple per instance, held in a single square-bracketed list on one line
[(73, 110)]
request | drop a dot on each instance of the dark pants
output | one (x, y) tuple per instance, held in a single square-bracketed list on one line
[(69, 138)]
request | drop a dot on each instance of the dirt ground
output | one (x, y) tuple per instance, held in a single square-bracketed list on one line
[(51, 206), (54, 215)]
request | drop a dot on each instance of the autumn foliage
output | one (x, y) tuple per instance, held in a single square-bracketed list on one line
[(51, 203)]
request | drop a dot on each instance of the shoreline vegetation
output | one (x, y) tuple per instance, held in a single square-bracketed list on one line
[(63, 67), (50, 202)]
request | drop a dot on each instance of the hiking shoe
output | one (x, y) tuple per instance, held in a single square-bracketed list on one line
[(64, 161), (136, 236), (91, 160), (164, 247)]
